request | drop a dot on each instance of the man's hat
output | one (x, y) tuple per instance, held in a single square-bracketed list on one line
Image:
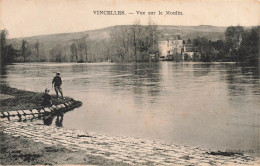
[(58, 73)]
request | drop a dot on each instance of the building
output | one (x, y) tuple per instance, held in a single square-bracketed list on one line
[(174, 49), (189, 50), (169, 47)]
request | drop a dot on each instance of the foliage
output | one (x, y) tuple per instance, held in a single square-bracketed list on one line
[(177, 57), (239, 45), (57, 54), (74, 52), (135, 43), (196, 57), (249, 49), (204, 47), (187, 57), (7, 52)]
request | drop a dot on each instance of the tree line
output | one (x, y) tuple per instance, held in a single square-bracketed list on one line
[(134, 43), (126, 44), (240, 45)]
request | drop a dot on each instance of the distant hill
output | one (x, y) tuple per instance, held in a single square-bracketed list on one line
[(191, 32), (186, 32), (62, 38)]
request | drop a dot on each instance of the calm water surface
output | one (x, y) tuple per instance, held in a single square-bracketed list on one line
[(213, 105)]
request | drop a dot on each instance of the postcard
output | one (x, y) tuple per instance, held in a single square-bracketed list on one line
[(130, 82)]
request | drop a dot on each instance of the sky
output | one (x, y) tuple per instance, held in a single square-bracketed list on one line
[(24, 18)]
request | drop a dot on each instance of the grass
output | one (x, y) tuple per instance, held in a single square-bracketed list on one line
[(24, 100)]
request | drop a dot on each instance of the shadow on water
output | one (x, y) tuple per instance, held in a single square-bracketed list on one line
[(3, 72), (47, 120), (201, 69)]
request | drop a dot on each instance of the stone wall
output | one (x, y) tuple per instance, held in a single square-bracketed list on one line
[(35, 113)]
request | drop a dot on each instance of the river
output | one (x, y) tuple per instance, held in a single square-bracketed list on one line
[(213, 105)]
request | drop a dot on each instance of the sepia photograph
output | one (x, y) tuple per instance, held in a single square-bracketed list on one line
[(130, 82)]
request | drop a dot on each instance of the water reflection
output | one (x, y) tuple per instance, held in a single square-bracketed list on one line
[(59, 120), (47, 120), (200, 70), (3, 70), (242, 80), (3, 73), (143, 79)]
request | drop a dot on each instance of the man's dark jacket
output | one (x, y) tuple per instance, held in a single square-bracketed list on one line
[(57, 81)]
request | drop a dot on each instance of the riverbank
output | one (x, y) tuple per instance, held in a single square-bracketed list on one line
[(13, 99), (15, 150), (30, 143)]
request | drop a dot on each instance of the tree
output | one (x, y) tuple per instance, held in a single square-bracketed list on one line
[(187, 57), (10, 54), (135, 27), (136, 42), (56, 54), (82, 47), (189, 41), (218, 45), (233, 38), (196, 57), (3, 46), (36, 47), (7, 52), (249, 49), (153, 36), (74, 52), (204, 47), (25, 50), (121, 39)]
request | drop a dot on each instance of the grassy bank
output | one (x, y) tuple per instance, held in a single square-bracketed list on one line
[(13, 99)]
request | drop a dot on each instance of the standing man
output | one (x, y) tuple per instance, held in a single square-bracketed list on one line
[(57, 85)]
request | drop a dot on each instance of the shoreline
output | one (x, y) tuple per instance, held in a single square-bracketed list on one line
[(16, 150), (83, 147), (25, 100), (28, 143)]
